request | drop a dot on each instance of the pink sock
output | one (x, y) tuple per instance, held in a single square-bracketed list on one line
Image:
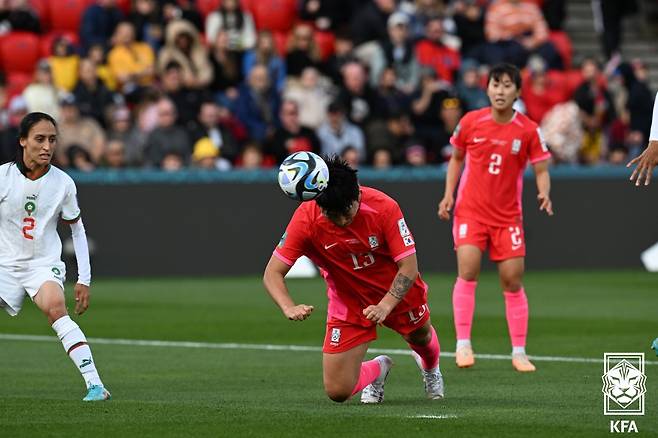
[(463, 306), (369, 372), (429, 353), (516, 310)]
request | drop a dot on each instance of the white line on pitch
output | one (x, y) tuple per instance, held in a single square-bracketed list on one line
[(275, 347)]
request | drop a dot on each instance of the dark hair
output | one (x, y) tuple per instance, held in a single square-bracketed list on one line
[(24, 129), (343, 187), (173, 65), (499, 70)]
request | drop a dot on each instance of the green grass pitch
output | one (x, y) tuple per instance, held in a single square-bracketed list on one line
[(174, 391)]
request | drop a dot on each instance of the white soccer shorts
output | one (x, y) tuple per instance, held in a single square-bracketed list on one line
[(15, 283)]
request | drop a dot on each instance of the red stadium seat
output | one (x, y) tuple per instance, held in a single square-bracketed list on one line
[(43, 11), (19, 52), (16, 83), (563, 46), (205, 7), (48, 39), (281, 43), (66, 14), (124, 6), (325, 42), (275, 15), (248, 5)]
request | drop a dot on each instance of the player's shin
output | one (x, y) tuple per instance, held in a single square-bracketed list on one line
[(370, 370), (429, 353), (516, 311), (463, 306), (75, 345)]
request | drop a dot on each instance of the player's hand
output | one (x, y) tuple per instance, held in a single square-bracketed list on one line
[(645, 164), (445, 207), (376, 313), (545, 203), (81, 298), (298, 313)]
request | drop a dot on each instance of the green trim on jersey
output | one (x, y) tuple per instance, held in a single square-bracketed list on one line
[(22, 169)]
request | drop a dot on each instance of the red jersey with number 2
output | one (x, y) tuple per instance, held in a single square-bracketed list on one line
[(359, 261), (497, 154)]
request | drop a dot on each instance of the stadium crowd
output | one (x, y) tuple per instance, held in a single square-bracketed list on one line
[(175, 83)]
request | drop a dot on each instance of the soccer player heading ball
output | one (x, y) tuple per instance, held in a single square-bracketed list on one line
[(34, 196), (359, 238), (496, 142)]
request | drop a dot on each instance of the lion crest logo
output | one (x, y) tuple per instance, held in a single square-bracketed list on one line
[(624, 383)]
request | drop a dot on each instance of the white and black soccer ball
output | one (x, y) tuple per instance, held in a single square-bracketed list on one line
[(303, 176)]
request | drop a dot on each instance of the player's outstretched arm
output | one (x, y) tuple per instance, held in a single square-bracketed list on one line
[(81, 248), (645, 164), (543, 179), (452, 176), (405, 277), (275, 284)]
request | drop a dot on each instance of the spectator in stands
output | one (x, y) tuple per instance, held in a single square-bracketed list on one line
[(146, 17), (238, 25), (337, 133), (96, 54), (397, 52), (207, 126), (420, 12), (258, 104), (75, 129), (369, 22), (543, 90), (232, 124), (432, 52), (362, 102), (326, 14), (132, 63), (99, 22), (382, 159), (184, 47), (291, 136), (469, 20), (439, 148), (351, 156), (596, 109), (563, 131), (78, 158), (187, 100), (611, 13), (9, 129), (469, 90), (265, 54), (252, 157), (123, 130), (18, 16), (415, 155), (426, 105), (312, 94), (64, 64), (182, 10), (394, 134), (206, 156), (41, 94), (91, 95), (640, 101), (168, 146), (391, 97), (514, 30), (343, 53), (227, 67), (555, 12), (115, 155), (302, 50)]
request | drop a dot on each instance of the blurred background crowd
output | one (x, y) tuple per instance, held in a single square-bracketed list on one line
[(228, 84)]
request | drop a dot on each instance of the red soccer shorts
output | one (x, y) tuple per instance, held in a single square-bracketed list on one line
[(503, 242), (342, 336)]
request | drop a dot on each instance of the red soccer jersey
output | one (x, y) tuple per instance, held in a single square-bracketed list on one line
[(358, 262), (496, 157)]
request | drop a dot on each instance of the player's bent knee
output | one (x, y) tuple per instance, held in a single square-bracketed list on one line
[(337, 393)]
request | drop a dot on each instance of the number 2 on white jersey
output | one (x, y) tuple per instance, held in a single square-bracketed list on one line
[(30, 224), (494, 164)]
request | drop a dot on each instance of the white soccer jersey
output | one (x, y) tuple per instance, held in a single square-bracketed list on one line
[(29, 212)]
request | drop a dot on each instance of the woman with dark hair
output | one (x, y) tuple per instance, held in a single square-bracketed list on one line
[(238, 24), (34, 196)]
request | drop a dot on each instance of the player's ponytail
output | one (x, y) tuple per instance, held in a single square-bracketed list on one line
[(24, 129)]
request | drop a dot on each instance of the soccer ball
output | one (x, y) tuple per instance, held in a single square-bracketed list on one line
[(303, 176)]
